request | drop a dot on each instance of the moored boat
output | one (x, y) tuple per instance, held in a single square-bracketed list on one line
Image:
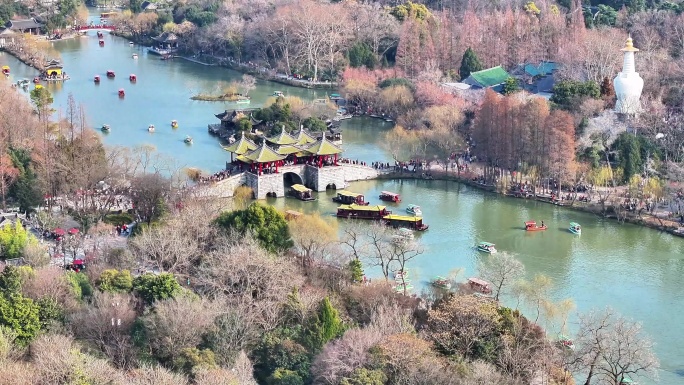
[(575, 228), (150, 128), (243, 101), (388, 196), (532, 226), (131, 43), (354, 211), (486, 247), (414, 209), (441, 282), (132, 78), (110, 74), (188, 139), (96, 79), (174, 124), (6, 70), (122, 93), (479, 286), (301, 192), (100, 34), (278, 93), (405, 221), (348, 197), (106, 128)]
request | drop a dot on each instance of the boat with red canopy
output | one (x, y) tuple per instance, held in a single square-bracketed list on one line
[(532, 226), (390, 197)]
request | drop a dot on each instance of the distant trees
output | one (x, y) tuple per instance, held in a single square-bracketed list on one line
[(502, 271), (524, 136)]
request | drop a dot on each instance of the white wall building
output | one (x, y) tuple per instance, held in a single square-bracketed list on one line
[(628, 84)]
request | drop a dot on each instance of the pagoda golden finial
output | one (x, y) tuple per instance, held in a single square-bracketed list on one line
[(629, 46)]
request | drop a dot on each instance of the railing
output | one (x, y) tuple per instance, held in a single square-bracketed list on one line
[(99, 26)]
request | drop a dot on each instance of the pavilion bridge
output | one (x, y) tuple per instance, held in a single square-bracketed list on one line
[(283, 160)]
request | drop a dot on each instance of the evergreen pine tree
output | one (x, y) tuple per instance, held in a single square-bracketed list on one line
[(324, 326), (355, 270), (469, 63)]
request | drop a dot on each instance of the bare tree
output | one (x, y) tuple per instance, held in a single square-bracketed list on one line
[(611, 348), (379, 243), (107, 324), (501, 271), (403, 250), (168, 248)]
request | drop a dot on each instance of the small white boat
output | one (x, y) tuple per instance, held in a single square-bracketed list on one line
[(486, 247), (415, 210), (130, 43), (278, 93), (106, 128), (188, 140), (150, 128), (402, 235), (135, 56), (575, 228), (174, 124)]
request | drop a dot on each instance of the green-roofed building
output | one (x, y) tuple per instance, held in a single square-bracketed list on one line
[(264, 154), (282, 138), (289, 149), (544, 68), (240, 147), (490, 78), (303, 138), (322, 147)]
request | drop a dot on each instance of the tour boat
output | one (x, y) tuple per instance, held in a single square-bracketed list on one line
[(389, 197), (414, 209), (566, 342), (348, 197), (96, 79), (406, 222), (278, 93), (479, 286), (101, 43), (106, 128), (354, 211), (6, 70), (132, 78), (301, 192), (174, 124), (188, 140), (441, 282), (575, 228), (486, 247), (150, 128), (532, 226), (122, 93), (110, 74)]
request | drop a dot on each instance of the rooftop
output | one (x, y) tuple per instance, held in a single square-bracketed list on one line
[(282, 138), (542, 69), (241, 146), (490, 77), (23, 24), (323, 147)]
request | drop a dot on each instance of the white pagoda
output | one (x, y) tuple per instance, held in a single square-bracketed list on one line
[(628, 84)]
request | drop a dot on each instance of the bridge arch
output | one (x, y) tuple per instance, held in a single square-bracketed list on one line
[(290, 178)]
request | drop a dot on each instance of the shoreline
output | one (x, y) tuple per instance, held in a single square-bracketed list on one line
[(646, 220), (258, 72)]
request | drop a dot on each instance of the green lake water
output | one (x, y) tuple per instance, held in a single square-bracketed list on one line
[(638, 271)]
